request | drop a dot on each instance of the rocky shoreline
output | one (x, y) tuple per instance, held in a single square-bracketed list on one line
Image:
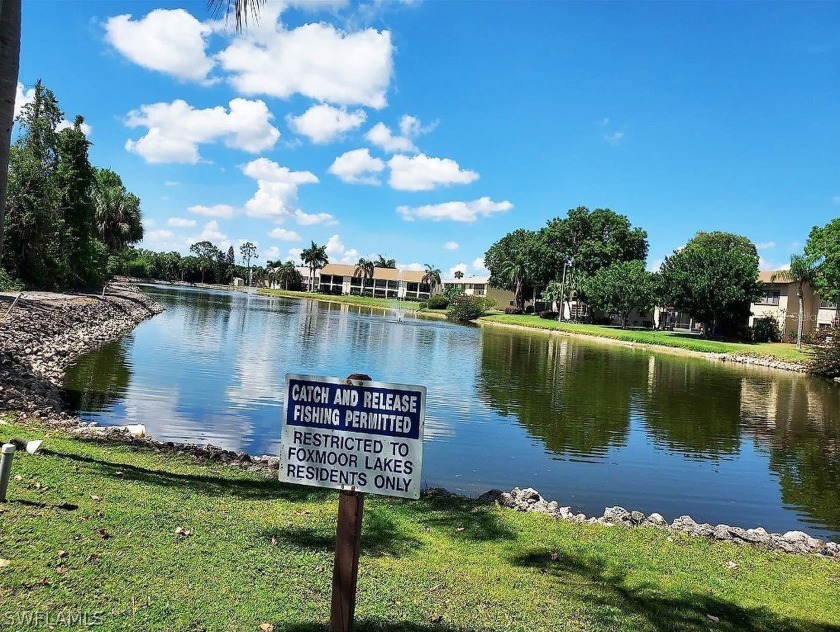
[(529, 500), (766, 361), (43, 334)]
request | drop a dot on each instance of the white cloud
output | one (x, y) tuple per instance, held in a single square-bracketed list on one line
[(315, 60), (455, 211), (64, 124), (217, 210), (323, 123), (766, 245), (23, 98), (148, 222), (168, 41), (479, 267), (767, 265), (357, 167), (276, 195), (310, 219), (451, 245), (461, 267), (175, 130), (414, 266), (424, 173), (171, 183), (157, 235), (654, 265), (410, 128), (211, 232), (339, 253), (382, 136), (284, 235), (615, 138), (294, 255), (180, 222), (271, 253)]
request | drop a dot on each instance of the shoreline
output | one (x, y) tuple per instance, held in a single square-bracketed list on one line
[(732, 358), (32, 366)]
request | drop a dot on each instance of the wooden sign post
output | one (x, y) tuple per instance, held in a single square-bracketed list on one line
[(357, 436)]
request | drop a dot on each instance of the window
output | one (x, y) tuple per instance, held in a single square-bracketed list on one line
[(769, 297)]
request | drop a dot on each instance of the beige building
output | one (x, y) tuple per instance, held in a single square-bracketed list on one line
[(339, 278), (480, 286), (779, 301)]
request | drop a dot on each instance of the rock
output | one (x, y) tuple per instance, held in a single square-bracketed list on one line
[(795, 537), (684, 523), (756, 536), (491, 496), (722, 532), (637, 518), (531, 495), (656, 520), (615, 515)]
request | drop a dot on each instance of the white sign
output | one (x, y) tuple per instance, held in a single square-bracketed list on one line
[(353, 435)]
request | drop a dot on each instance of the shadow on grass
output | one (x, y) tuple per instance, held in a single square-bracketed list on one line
[(605, 587), (252, 489), (463, 517), (379, 625), (380, 536)]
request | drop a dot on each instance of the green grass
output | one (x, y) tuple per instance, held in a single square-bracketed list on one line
[(477, 567), (678, 340), (384, 303)]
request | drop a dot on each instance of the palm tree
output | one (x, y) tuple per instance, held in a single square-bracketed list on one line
[(431, 276), (286, 274), (382, 262), (9, 66), (364, 269), (803, 271), (315, 258), (117, 211), (514, 274)]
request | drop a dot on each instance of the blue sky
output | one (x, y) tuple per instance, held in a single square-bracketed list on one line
[(427, 130)]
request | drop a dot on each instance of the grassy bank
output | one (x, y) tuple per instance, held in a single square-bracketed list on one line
[(91, 528), (786, 352), (365, 301)]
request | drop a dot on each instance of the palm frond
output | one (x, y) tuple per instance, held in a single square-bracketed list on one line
[(243, 10)]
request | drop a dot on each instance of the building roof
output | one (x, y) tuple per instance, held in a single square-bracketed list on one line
[(766, 276), (467, 279), (385, 274)]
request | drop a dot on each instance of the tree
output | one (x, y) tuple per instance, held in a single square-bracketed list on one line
[(620, 288), (459, 275), (315, 258), (714, 278), (553, 293), (248, 251), (431, 276), (9, 66), (512, 262), (83, 256), (823, 245), (804, 270), (288, 275), (206, 253), (590, 240), (364, 269), (118, 216), (382, 262)]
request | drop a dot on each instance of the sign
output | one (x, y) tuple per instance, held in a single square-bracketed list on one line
[(353, 435)]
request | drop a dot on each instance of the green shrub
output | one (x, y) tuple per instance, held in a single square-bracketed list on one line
[(8, 284), (489, 302), (464, 308), (766, 330), (825, 358), (549, 315), (422, 305), (438, 301), (515, 311)]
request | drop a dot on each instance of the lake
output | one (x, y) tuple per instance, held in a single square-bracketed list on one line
[(586, 424)]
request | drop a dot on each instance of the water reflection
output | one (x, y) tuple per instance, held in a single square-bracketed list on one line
[(575, 399), (588, 424)]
